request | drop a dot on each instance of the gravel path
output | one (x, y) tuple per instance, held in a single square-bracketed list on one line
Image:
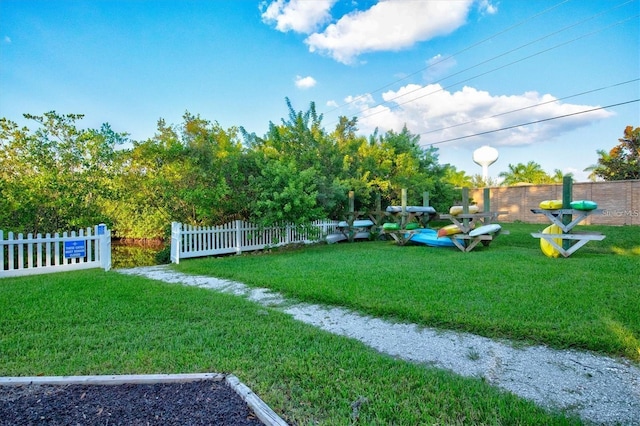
[(597, 388)]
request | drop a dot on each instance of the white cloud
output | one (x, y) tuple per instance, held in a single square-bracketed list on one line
[(438, 115), (388, 25), (487, 7), (302, 16), (305, 82)]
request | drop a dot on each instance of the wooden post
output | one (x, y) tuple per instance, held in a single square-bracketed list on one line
[(378, 210), (425, 199), (567, 195), (465, 205), (403, 220), (351, 218), (487, 200), (352, 208)]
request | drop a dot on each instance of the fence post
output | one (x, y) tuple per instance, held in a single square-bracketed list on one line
[(238, 229), (104, 235), (2, 250), (176, 239)]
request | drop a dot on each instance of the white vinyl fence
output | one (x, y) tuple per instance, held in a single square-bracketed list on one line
[(67, 252), (239, 236)]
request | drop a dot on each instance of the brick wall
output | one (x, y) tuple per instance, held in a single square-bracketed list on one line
[(619, 200)]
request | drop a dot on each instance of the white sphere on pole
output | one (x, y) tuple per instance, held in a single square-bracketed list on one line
[(485, 156)]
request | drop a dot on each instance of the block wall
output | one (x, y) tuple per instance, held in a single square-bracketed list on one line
[(618, 200)]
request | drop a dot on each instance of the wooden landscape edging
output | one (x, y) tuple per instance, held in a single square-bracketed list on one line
[(262, 410)]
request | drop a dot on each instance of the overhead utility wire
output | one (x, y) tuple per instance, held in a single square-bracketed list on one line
[(532, 122), (496, 57), (454, 54), (530, 106), (507, 65)]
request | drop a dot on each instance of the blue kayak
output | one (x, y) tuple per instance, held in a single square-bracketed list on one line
[(430, 238)]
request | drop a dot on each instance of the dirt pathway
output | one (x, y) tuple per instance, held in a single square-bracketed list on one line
[(599, 389)]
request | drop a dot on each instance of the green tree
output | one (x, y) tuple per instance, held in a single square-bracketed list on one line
[(458, 178), (56, 177), (525, 173), (622, 161), (300, 148), (285, 194), (184, 173), (478, 181)]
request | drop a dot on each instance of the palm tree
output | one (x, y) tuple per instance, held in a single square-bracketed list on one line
[(558, 176), (525, 173)]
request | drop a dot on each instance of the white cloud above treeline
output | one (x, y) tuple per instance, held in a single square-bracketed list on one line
[(301, 16), (305, 82), (388, 25), (438, 115), (428, 110)]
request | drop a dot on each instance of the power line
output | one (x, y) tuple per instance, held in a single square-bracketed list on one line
[(360, 113), (532, 106), (455, 54), (503, 66), (531, 122), (505, 54)]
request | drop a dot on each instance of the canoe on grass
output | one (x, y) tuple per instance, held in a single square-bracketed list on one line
[(430, 238)]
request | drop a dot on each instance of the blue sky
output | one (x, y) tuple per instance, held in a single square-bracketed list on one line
[(453, 71)]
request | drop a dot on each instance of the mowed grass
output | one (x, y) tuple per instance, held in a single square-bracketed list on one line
[(590, 300), (95, 322)]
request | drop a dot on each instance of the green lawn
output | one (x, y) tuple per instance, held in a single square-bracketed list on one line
[(509, 289), (95, 322)]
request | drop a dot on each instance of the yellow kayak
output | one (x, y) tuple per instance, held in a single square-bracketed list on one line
[(551, 204), (456, 210), (547, 248), (449, 230)]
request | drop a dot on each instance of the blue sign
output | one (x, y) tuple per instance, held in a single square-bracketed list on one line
[(76, 248), (102, 229)]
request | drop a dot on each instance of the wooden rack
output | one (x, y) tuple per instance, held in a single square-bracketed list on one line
[(464, 222), (580, 238), (406, 215)]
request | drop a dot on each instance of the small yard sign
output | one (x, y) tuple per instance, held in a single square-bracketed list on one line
[(75, 248)]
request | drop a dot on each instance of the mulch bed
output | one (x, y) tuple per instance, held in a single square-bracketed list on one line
[(204, 402)]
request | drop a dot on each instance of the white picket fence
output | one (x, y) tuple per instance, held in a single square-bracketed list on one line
[(58, 253), (239, 236)]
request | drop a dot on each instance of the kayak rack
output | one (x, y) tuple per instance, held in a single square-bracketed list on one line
[(580, 238), (566, 219)]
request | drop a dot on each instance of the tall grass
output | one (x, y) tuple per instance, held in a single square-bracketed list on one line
[(509, 289), (95, 322)]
